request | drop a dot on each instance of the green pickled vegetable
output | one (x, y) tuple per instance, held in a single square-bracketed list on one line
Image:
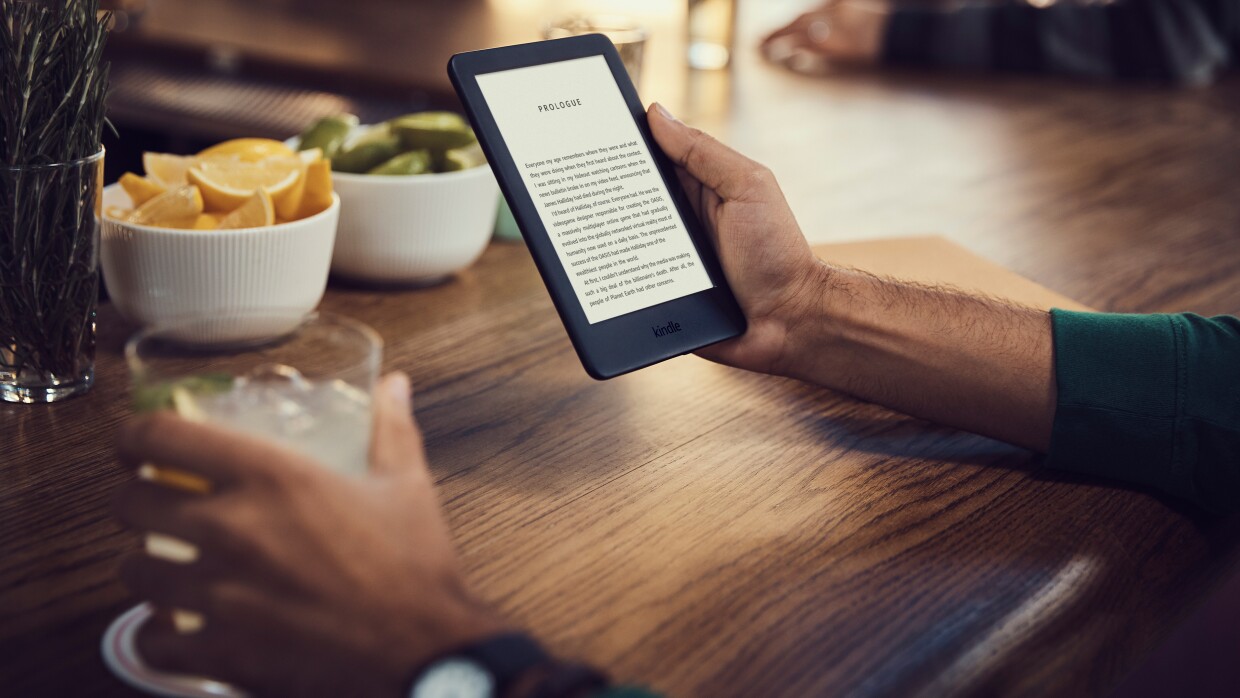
[(436, 131), (411, 163), (461, 159), (366, 155), (328, 133), (432, 119)]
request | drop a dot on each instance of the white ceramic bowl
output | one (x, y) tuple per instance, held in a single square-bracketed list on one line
[(413, 228), (161, 275)]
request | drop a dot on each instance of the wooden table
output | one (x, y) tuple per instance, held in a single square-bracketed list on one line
[(713, 532)]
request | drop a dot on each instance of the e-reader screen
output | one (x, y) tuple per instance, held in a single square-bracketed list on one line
[(605, 207)]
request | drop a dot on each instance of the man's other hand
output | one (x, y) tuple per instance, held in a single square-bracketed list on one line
[(311, 583)]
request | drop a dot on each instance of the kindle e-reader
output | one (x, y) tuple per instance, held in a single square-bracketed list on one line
[(626, 262)]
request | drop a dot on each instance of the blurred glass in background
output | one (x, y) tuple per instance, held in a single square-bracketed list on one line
[(627, 35), (125, 13), (711, 33)]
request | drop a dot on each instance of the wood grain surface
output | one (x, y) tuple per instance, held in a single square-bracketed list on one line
[(712, 532), (705, 530)]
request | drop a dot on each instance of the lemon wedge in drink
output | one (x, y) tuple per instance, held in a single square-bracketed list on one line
[(180, 396), (184, 404)]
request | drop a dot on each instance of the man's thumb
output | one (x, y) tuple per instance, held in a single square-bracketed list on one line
[(396, 442), (710, 162)]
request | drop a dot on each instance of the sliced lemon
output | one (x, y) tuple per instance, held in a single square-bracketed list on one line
[(170, 209), (317, 196), (165, 169), (250, 149), (206, 221), (140, 189), (181, 223), (289, 203), (118, 213), (228, 184), (256, 212)]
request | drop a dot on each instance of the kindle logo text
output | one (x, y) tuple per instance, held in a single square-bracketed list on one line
[(664, 330)]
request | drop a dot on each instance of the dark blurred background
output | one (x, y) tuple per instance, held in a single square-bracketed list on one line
[(187, 73)]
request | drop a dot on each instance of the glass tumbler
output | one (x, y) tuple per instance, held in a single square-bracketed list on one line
[(628, 37), (309, 390)]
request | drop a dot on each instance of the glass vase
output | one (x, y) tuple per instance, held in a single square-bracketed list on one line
[(49, 278)]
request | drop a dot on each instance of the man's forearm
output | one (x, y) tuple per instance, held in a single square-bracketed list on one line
[(970, 362)]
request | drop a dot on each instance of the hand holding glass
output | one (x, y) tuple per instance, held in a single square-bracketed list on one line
[(308, 390)]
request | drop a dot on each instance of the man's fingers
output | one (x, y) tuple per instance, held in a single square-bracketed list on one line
[(147, 506), (796, 26), (396, 445), (162, 647), (222, 457), (166, 584), (732, 175)]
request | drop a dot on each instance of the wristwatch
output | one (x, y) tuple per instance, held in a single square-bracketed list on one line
[(482, 670)]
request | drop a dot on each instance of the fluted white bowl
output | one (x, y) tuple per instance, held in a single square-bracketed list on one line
[(157, 276), (413, 228)]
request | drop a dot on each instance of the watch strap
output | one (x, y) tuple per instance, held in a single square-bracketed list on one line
[(505, 656), (569, 680)]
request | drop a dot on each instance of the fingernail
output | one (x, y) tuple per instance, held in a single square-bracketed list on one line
[(397, 386), (666, 114)]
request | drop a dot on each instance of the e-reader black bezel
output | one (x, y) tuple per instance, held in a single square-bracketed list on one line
[(627, 342)]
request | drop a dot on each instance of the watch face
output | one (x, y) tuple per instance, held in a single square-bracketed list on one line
[(454, 678)]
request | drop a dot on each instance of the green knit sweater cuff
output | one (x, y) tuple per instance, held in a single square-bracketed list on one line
[(1150, 400), (1116, 413)]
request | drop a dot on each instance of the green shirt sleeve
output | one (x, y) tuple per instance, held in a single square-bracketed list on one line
[(1151, 400)]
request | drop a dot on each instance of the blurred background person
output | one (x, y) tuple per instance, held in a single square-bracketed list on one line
[(1183, 42)]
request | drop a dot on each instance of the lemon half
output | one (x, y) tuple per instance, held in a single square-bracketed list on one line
[(227, 185)]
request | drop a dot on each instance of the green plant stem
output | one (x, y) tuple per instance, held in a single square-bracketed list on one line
[(53, 87)]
